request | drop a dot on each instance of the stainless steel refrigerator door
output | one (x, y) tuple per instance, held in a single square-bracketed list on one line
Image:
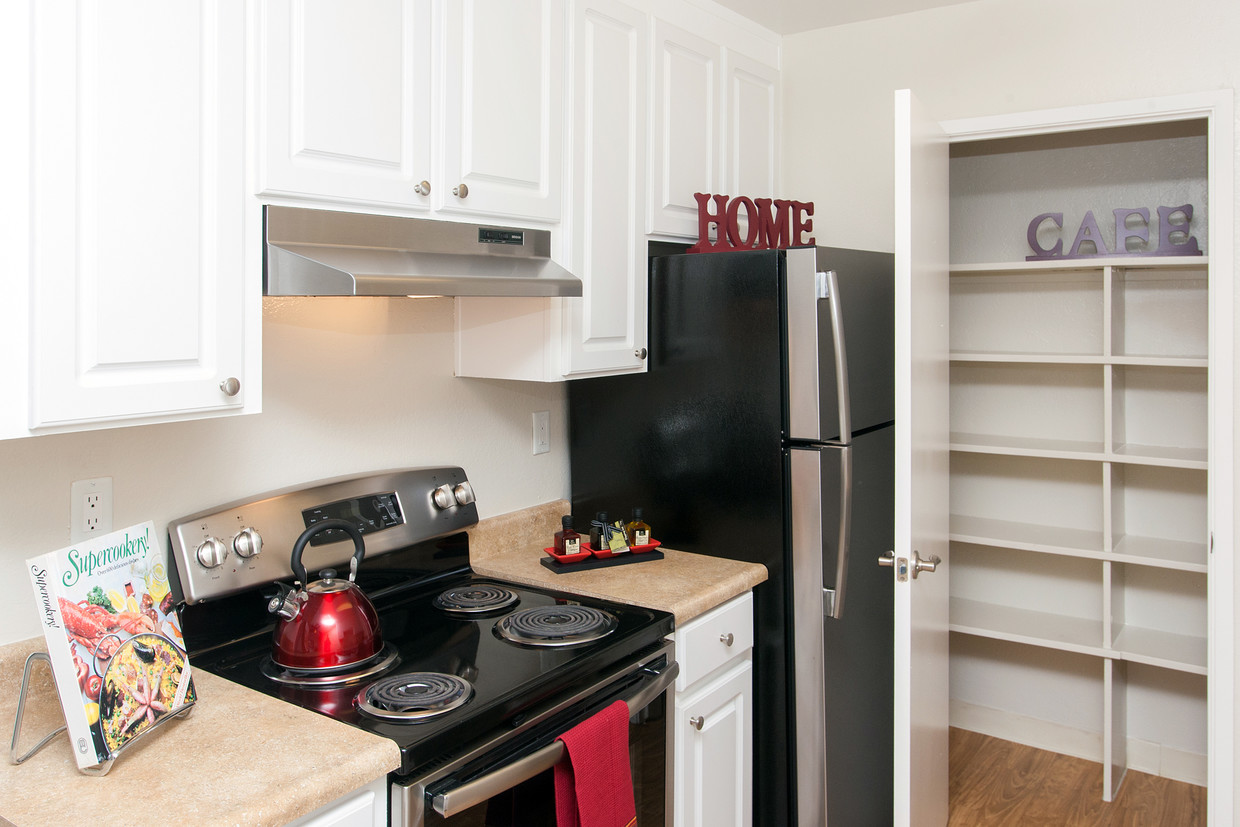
[(820, 480), (809, 292)]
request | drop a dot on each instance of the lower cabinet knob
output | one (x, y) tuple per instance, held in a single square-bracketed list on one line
[(460, 191), (696, 722), (726, 639), (230, 386)]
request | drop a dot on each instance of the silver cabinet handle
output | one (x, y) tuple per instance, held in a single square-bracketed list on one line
[(696, 722), (640, 353), (423, 188), (726, 638), (460, 191), (230, 386)]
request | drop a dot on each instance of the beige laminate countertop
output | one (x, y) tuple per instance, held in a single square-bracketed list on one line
[(687, 585), (239, 758)]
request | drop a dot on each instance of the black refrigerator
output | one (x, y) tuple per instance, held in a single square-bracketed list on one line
[(763, 431)]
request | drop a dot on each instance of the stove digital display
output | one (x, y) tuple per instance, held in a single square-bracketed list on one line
[(371, 513)]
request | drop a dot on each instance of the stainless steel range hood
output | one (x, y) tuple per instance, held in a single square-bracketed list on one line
[(327, 253)]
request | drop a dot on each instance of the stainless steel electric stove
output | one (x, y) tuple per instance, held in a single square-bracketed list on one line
[(475, 678)]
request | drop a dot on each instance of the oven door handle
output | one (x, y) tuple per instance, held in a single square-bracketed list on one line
[(472, 793)]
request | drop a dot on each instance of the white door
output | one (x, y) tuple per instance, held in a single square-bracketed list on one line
[(346, 108), (921, 436), (141, 285), (605, 330), (503, 107)]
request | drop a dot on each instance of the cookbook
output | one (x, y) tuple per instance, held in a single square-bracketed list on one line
[(114, 639)]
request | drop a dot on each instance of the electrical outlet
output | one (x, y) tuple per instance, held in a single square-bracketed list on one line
[(542, 432), (90, 508)]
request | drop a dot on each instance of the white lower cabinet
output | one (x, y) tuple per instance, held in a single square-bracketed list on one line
[(713, 729), (364, 807)]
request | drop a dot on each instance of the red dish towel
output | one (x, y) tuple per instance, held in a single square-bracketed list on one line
[(593, 784)]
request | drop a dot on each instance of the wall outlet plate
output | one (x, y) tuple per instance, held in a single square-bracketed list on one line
[(542, 432), (90, 508)]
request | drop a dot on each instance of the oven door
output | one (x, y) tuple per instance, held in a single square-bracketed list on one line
[(507, 780)]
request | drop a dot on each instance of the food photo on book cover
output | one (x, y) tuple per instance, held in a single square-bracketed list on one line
[(113, 637)]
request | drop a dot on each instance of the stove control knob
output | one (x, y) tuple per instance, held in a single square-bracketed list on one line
[(464, 493), (247, 542), (443, 497), (211, 552)]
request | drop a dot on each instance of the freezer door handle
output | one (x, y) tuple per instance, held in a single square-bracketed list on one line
[(836, 315)]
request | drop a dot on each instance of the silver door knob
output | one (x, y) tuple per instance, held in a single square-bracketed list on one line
[(423, 188), (460, 191), (230, 386), (920, 565), (696, 722)]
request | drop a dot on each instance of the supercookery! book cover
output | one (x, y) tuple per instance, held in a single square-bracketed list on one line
[(114, 638)]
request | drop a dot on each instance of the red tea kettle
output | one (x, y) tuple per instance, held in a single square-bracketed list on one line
[(327, 624)]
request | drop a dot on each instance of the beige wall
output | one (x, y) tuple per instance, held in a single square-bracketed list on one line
[(983, 58), (350, 385)]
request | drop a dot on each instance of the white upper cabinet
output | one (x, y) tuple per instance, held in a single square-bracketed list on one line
[(503, 104), (605, 330), (346, 101), (686, 129), (142, 280), (753, 115), (415, 105)]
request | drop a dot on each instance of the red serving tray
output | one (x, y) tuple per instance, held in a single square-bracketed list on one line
[(605, 553), (564, 559)]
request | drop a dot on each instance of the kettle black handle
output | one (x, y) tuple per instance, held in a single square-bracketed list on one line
[(325, 525)]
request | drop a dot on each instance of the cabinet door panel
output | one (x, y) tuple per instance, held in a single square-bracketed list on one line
[(503, 101), (685, 148), (753, 115), (714, 730), (139, 219), (607, 324), (346, 109)]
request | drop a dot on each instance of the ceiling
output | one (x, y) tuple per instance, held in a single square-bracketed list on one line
[(792, 16)]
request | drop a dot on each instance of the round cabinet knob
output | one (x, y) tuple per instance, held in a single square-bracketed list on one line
[(461, 191), (640, 353), (230, 386), (726, 639), (464, 493), (423, 188), (443, 497), (247, 542), (696, 722), (211, 552)]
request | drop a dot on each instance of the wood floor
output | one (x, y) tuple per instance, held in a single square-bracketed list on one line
[(995, 782)]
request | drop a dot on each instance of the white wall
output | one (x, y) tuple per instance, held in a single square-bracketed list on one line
[(350, 385), (977, 59)]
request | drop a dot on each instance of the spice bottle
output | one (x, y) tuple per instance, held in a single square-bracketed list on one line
[(637, 531), (598, 539), (567, 541)]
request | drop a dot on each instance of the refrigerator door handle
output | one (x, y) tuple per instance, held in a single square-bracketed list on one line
[(831, 286), (833, 598)]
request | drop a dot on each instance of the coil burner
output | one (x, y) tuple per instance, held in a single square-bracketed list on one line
[(383, 661), (476, 598), (556, 625), (414, 697)]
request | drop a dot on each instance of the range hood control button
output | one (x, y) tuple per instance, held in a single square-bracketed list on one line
[(443, 497), (211, 552), (247, 542), (464, 493)]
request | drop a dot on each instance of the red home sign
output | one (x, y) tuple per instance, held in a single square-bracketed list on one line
[(772, 223)]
